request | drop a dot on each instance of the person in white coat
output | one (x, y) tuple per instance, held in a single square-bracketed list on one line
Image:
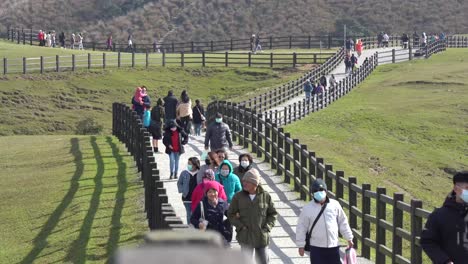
[(324, 242)]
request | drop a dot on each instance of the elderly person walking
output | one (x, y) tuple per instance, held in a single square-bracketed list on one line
[(319, 223), (253, 214), (200, 190)]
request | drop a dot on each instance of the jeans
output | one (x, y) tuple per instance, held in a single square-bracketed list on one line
[(307, 95), (186, 124), (174, 162), (188, 210), (197, 129), (261, 254), (320, 255)]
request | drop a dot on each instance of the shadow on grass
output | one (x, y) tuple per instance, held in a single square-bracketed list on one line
[(77, 250), (40, 241), (114, 232)]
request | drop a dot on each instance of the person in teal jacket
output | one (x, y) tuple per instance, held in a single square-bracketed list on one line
[(228, 179)]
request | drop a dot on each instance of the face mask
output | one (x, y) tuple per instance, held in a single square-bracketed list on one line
[(219, 120), (320, 195), (207, 161), (173, 128), (189, 167), (245, 164), (225, 172), (464, 196)]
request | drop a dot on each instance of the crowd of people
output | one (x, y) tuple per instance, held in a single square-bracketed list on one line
[(49, 39)]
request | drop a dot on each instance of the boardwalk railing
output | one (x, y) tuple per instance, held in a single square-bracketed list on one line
[(73, 62), (128, 128), (380, 222), (457, 42)]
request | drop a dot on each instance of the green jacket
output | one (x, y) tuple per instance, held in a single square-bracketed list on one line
[(256, 218)]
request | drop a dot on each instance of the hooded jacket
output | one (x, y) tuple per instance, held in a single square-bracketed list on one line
[(218, 135), (231, 182), (202, 188), (170, 106), (308, 87), (325, 233), (253, 219), (444, 237)]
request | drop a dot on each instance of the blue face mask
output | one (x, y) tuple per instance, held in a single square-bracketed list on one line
[(320, 195), (219, 120), (189, 167), (464, 196)]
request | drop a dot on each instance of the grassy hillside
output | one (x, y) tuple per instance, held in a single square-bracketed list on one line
[(404, 128), (185, 20), (67, 199)]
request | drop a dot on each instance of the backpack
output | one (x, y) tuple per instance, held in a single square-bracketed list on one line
[(147, 118)]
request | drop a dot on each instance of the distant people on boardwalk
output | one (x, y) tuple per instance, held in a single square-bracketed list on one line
[(184, 112), (130, 43), (170, 107), (333, 83), (445, 236), (319, 223), (187, 183), (209, 213), (348, 64), (354, 62), (226, 177), (41, 38), (380, 39), (72, 41), (245, 164), (80, 41), (49, 39), (140, 101), (199, 118), (359, 47), (174, 139), (404, 40), (252, 43), (218, 135), (308, 88), (212, 162), (323, 81), (253, 213), (157, 117), (423, 40), (349, 45), (62, 39), (385, 40), (415, 39), (199, 192), (258, 46), (109, 43), (53, 39)]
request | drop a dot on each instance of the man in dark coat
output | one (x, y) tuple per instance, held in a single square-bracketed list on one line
[(218, 135), (445, 236), (170, 107)]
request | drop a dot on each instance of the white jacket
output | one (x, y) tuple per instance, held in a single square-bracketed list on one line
[(325, 233)]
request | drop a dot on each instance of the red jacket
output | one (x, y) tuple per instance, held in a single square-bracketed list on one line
[(199, 192)]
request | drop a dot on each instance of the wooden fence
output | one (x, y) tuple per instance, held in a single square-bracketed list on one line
[(128, 128), (396, 225), (72, 62)]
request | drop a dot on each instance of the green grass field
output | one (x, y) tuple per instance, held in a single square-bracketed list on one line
[(404, 128), (67, 199)]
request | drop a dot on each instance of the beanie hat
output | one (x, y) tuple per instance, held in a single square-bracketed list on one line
[(210, 185), (461, 176), (318, 184), (252, 176)]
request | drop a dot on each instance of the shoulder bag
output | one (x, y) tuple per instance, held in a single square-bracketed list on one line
[(309, 234)]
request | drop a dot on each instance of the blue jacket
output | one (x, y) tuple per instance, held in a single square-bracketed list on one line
[(231, 182), (308, 87), (183, 184)]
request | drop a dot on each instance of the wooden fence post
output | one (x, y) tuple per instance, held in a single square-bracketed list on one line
[(24, 65), (250, 59), (246, 130), (89, 61), (203, 59), (380, 215), (279, 170), (296, 163), (312, 173), (182, 59), (393, 55), (274, 146), (133, 58), (365, 225), (73, 62), (309, 42), (42, 64), (192, 47), (226, 58), (294, 59), (5, 65), (287, 162), (304, 176), (352, 204), (339, 191), (416, 228), (290, 42), (328, 180), (147, 59), (232, 45), (271, 59), (410, 53), (31, 37), (271, 42), (397, 243), (164, 58), (119, 59), (57, 63)]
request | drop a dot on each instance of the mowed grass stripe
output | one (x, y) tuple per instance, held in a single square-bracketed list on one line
[(404, 128), (73, 199)]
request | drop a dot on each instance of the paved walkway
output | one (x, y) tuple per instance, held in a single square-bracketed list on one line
[(282, 248)]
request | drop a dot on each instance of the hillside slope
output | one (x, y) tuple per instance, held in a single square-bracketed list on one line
[(185, 20)]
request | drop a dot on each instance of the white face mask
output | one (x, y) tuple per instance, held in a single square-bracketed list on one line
[(224, 173), (245, 163)]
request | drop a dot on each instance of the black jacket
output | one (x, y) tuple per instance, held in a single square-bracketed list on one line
[(170, 106), (183, 139), (445, 237), (197, 112), (218, 135), (157, 114)]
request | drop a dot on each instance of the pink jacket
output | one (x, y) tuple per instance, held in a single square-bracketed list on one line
[(199, 192)]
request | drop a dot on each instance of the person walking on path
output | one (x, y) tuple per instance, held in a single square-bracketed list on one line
[(359, 47), (323, 81), (212, 162), (354, 62), (228, 179), (445, 235), (80, 41), (184, 112), (253, 213), (157, 115), (170, 107), (349, 45), (198, 117), (252, 43), (187, 183), (72, 41), (130, 43), (385, 40), (258, 46), (218, 135), (209, 213), (245, 164), (333, 83), (62, 39), (320, 221), (109, 43), (201, 188), (308, 88), (174, 139)]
